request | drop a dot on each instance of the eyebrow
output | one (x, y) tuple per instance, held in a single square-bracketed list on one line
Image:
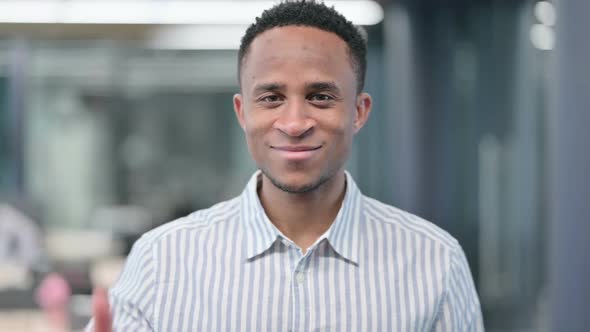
[(272, 86), (324, 86)]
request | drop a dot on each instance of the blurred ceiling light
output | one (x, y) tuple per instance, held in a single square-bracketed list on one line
[(362, 12), (545, 13), (198, 37), (542, 37)]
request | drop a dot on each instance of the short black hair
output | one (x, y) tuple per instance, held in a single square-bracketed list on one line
[(311, 14)]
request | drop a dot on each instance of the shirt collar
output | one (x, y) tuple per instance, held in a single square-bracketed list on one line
[(344, 235), (260, 231)]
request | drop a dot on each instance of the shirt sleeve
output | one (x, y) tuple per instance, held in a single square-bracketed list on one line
[(460, 308), (132, 297)]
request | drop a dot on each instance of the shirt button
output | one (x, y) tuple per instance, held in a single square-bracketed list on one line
[(300, 277)]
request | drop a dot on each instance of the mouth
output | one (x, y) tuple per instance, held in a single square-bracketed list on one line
[(296, 152)]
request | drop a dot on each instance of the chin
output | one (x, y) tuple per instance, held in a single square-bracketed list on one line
[(296, 183)]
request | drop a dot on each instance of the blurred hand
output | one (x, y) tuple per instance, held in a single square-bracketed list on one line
[(101, 311)]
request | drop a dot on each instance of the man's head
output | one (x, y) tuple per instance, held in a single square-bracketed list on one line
[(300, 103), (310, 14)]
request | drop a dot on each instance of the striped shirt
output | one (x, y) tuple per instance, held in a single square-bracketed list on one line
[(228, 268)]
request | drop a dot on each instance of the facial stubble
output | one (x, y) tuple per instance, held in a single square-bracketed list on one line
[(307, 188)]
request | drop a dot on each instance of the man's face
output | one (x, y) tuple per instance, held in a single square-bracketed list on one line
[(298, 106)]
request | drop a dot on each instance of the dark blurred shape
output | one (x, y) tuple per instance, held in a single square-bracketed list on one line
[(21, 258), (20, 238)]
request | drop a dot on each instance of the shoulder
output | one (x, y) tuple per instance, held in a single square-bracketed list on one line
[(443, 247), (197, 222), (151, 253), (404, 222)]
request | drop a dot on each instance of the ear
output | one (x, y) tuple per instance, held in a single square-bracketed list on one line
[(363, 109), (239, 109)]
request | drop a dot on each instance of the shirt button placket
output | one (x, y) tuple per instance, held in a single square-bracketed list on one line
[(299, 293), (300, 277)]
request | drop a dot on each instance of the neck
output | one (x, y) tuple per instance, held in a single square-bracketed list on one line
[(303, 218)]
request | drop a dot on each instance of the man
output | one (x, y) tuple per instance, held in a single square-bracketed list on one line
[(301, 249)]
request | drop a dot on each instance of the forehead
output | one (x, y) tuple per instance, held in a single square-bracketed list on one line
[(295, 52)]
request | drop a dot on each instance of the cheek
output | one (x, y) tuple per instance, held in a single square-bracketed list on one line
[(256, 120), (258, 126), (254, 138), (341, 132), (340, 126)]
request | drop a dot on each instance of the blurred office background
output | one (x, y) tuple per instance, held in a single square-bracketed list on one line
[(116, 117)]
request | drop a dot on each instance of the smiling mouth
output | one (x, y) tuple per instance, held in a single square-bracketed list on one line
[(296, 152), (296, 148)]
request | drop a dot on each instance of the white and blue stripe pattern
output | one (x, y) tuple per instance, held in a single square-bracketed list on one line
[(228, 268)]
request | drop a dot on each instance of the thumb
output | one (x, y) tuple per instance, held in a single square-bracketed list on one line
[(101, 311)]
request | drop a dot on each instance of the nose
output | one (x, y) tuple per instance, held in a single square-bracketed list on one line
[(294, 120)]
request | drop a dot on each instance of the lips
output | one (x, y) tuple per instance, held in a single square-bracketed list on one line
[(296, 148), (296, 152)]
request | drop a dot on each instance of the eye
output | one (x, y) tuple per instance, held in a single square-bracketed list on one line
[(270, 99), (321, 97)]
